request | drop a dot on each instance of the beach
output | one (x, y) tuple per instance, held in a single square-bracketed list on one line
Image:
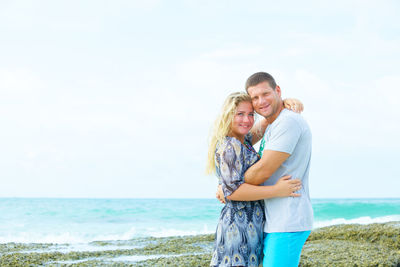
[(109, 108), (340, 245), (179, 232)]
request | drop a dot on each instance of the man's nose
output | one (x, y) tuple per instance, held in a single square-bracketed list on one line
[(261, 101)]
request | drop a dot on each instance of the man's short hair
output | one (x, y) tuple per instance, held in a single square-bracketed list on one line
[(258, 78)]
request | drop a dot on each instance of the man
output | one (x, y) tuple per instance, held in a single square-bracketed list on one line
[(285, 150)]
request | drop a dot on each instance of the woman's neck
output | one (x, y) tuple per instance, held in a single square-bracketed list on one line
[(238, 137)]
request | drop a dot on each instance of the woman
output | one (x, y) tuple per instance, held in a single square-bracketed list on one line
[(239, 235)]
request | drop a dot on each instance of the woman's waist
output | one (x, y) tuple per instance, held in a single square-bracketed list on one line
[(244, 204)]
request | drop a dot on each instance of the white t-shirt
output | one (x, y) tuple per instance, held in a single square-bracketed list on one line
[(289, 133)]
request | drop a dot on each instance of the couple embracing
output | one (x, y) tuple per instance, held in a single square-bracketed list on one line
[(268, 215)]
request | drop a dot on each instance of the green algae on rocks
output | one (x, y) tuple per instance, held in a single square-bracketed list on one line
[(353, 245), (339, 245)]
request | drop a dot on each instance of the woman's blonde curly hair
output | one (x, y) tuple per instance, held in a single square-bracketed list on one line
[(222, 125)]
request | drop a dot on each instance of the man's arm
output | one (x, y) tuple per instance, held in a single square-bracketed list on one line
[(282, 140), (260, 172)]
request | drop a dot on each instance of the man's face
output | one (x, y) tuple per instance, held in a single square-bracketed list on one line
[(266, 101)]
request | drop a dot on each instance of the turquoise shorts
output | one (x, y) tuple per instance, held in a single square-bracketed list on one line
[(283, 249)]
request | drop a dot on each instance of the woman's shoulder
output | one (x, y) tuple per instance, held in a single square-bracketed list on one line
[(229, 143)]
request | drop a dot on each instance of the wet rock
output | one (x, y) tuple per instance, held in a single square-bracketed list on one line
[(339, 245)]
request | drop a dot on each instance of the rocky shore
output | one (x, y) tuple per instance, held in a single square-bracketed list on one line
[(340, 245)]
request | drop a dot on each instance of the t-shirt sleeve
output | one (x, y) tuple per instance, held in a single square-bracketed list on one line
[(231, 167), (284, 136)]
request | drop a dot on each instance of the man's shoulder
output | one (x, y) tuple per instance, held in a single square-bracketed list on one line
[(291, 115), (290, 119)]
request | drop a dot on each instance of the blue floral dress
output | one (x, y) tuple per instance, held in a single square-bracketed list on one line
[(239, 235)]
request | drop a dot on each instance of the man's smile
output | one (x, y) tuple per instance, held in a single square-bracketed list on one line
[(264, 107)]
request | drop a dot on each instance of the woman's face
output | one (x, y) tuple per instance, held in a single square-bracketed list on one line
[(243, 120)]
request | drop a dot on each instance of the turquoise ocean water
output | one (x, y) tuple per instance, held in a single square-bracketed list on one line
[(80, 221)]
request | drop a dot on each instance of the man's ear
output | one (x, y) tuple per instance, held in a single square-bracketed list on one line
[(278, 90)]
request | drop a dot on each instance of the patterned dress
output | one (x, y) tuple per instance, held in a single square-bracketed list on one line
[(239, 235)]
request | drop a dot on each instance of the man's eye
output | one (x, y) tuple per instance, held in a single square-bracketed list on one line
[(251, 114)]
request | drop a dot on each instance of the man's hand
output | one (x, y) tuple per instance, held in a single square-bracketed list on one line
[(220, 195)]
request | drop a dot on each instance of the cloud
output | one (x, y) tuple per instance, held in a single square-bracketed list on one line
[(132, 101), (233, 52), (354, 115), (19, 81)]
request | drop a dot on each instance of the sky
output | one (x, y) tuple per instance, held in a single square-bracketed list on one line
[(115, 99)]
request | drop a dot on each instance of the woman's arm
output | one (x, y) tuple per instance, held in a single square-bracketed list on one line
[(247, 192), (230, 162), (285, 187), (293, 104), (259, 128)]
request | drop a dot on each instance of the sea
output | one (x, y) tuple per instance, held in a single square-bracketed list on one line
[(81, 221)]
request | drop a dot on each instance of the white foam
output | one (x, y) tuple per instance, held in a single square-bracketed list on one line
[(178, 232), (140, 257), (65, 238), (26, 237), (83, 237), (131, 233), (360, 220)]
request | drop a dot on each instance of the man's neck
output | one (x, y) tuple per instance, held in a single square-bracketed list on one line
[(273, 117)]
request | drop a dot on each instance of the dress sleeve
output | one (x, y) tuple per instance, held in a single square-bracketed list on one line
[(248, 138), (231, 167)]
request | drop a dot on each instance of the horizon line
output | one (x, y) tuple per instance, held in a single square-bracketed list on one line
[(188, 198)]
